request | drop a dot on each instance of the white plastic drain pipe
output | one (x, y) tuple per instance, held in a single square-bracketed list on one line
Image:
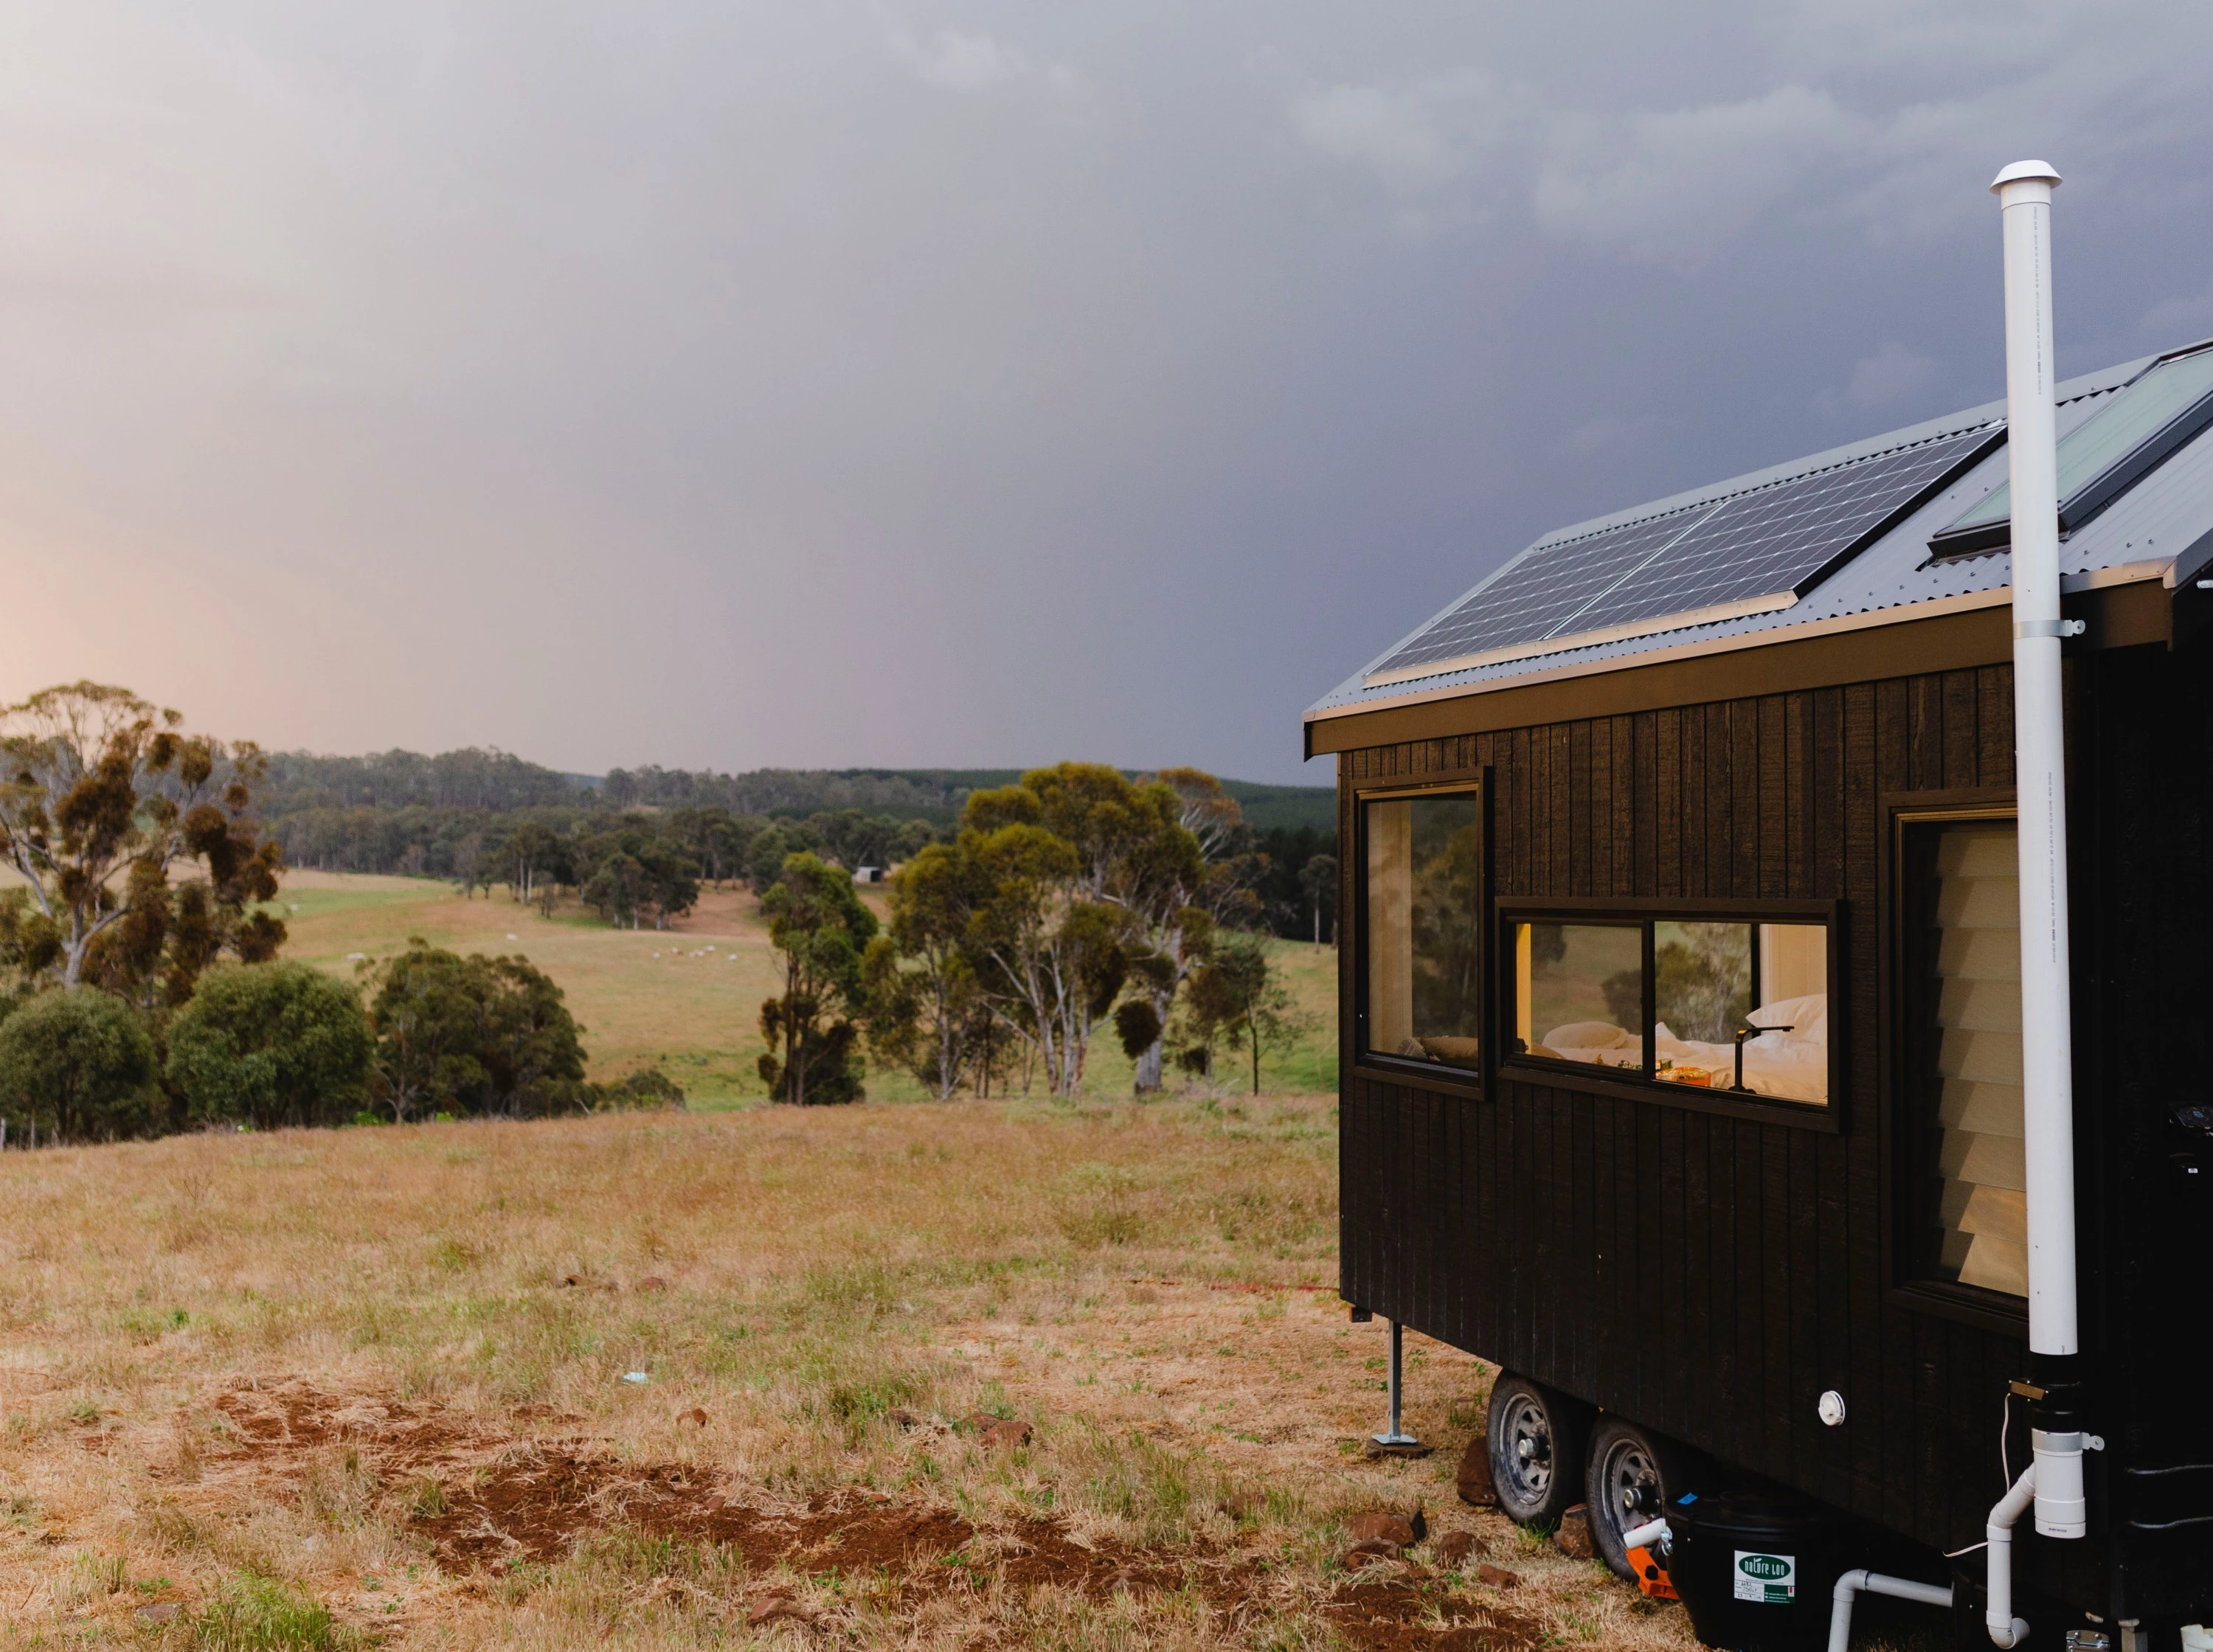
[(1898, 1588), (2024, 192), (2006, 1630)]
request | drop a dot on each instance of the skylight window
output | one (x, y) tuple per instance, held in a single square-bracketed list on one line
[(2105, 456)]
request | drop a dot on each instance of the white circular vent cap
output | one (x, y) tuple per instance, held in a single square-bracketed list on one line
[(1832, 1408)]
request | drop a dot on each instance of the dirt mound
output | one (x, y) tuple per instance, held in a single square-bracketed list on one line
[(485, 1500)]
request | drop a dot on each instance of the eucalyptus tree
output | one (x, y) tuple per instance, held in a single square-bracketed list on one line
[(821, 929), (141, 857), (926, 1009), (1051, 960)]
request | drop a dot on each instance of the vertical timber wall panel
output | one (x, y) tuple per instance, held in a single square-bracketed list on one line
[(1707, 1274)]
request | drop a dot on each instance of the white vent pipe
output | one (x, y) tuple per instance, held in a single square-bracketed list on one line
[(2024, 192)]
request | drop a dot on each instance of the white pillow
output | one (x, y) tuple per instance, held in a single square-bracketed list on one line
[(1807, 1017)]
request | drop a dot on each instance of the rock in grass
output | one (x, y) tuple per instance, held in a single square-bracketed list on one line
[(1473, 1479), (696, 1416), (1574, 1537), (1455, 1549), (1498, 1576)]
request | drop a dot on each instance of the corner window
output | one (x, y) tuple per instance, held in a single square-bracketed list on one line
[(1422, 926), (1719, 1001), (1960, 888)]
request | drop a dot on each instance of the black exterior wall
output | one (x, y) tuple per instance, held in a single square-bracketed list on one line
[(1709, 1276)]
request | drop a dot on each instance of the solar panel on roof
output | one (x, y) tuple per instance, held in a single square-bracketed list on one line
[(1747, 553), (1545, 589), (1780, 541)]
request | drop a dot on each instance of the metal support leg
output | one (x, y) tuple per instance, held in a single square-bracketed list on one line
[(1397, 1437)]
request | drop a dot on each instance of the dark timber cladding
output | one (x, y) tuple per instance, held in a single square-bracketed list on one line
[(1707, 1276)]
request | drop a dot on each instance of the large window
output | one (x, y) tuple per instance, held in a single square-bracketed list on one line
[(1421, 942), (1720, 1001), (1960, 969)]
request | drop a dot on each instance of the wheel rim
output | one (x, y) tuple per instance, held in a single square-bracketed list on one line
[(1528, 1449), (1634, 1493)]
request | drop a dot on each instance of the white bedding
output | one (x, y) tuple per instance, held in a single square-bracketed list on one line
[(1792, 1066)]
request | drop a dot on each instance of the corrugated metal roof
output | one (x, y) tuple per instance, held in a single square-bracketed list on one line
[(2139, 536)]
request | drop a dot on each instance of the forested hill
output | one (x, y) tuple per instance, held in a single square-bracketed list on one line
[(465, 779), (932, 794), (499, 780)]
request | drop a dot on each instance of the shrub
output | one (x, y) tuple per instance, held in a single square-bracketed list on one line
[(472, 1035), (648, 1087), (77, 1064), (272, 1045)]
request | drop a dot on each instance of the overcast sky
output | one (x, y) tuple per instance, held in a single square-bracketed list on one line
[(825, 384)]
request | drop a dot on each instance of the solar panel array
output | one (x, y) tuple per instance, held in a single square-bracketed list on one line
[(1768, 542)]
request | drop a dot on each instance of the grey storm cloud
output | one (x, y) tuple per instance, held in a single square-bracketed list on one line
[(882, 383)]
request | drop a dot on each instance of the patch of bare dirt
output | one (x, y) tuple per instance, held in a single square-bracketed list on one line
[(485, 1501)]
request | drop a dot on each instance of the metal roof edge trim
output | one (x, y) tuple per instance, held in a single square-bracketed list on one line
[(2090, 579), (1736, 641)]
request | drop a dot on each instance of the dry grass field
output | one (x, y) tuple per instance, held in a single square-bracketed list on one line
[(689, 998), (732, 1379)]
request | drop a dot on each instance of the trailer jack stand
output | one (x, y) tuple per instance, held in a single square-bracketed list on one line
[(1395, 1442)]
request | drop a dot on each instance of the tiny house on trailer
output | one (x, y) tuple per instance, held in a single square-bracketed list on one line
[(1686, 1072)]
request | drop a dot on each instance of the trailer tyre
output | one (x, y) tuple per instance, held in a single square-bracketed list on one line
[(1535, 1444), (1633, 1475)]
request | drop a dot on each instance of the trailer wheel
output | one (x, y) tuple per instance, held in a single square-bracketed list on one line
[(1632, 1475), (1536, 1440)]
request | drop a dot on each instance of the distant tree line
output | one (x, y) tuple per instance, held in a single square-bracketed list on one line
[(453, 816), (140, 991), (642, 866), (937, 796), (467, 779)]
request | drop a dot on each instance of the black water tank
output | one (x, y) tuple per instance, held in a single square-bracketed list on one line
[(1755, 1569)]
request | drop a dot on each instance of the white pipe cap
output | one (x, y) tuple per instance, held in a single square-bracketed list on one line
[(2022, 171)]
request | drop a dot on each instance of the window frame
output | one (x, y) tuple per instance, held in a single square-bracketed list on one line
[(1828, 1119), (1358, 1058), (1903, 1111)]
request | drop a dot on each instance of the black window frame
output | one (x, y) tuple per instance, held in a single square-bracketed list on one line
[(1469, 1082), (1827, 1118), (1907, 1105)]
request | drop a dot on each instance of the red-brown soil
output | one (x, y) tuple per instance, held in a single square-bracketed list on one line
[(485, 1502)]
